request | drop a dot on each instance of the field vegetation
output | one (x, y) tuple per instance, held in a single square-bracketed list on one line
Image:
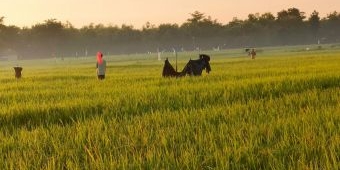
[(279, 111)]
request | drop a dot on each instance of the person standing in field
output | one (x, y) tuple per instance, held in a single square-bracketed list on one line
[(101, 66), (252, 53)]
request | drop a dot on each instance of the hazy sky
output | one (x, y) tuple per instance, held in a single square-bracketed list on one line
[(138, 12)]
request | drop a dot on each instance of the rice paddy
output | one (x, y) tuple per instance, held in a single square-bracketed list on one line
[(279, 111)]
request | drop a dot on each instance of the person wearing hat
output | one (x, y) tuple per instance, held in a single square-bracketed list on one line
[(101, 66)]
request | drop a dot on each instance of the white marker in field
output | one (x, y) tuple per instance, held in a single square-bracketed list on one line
[(159, 55)]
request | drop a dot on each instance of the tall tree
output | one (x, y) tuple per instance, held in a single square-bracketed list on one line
[(196, 17), (331, 26), (199, 28), (2, 20), (49, 36), (291, 26), (314, 23), (267, 19), (1, 33)]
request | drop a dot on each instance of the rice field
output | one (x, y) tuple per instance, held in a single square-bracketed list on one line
[(279, 111)]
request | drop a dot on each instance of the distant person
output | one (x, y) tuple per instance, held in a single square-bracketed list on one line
[(252, 53), (17, 70), (101, 66)]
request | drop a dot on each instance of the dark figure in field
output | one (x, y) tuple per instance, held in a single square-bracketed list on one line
[(17, 72), (169, 71), (252, 53), (193, 67)]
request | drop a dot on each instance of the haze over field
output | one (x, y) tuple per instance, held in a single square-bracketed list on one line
[(80, 28), (134, 12)]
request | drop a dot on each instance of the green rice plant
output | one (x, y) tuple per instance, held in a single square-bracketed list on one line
[(279, 111)]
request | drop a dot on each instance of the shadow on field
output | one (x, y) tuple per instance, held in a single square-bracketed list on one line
[(32, 119)]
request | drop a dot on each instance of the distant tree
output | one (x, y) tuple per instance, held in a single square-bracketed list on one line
[(9, 36), (253, 17), (191, 27), (2, 20), (291, 26), (128, 33), (47, 37), (199, 28), (314, 23), (235, 27), (267, 19), (296, 14), (168, 32), (290, 16), (148, 25), (331, 26), (196, 17), (149, 35), (199, 25), (53, 38), (1, 33), (252, 25)]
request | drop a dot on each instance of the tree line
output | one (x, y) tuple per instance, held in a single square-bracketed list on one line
[(53, 38)]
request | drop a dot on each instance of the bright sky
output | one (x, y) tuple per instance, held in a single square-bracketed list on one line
[(137, 12)]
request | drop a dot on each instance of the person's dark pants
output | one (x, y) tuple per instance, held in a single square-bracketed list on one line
[(101, 77)]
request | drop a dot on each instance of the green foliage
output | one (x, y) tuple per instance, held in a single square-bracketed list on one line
[(54, 38), (314, 21), (279, 111)]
